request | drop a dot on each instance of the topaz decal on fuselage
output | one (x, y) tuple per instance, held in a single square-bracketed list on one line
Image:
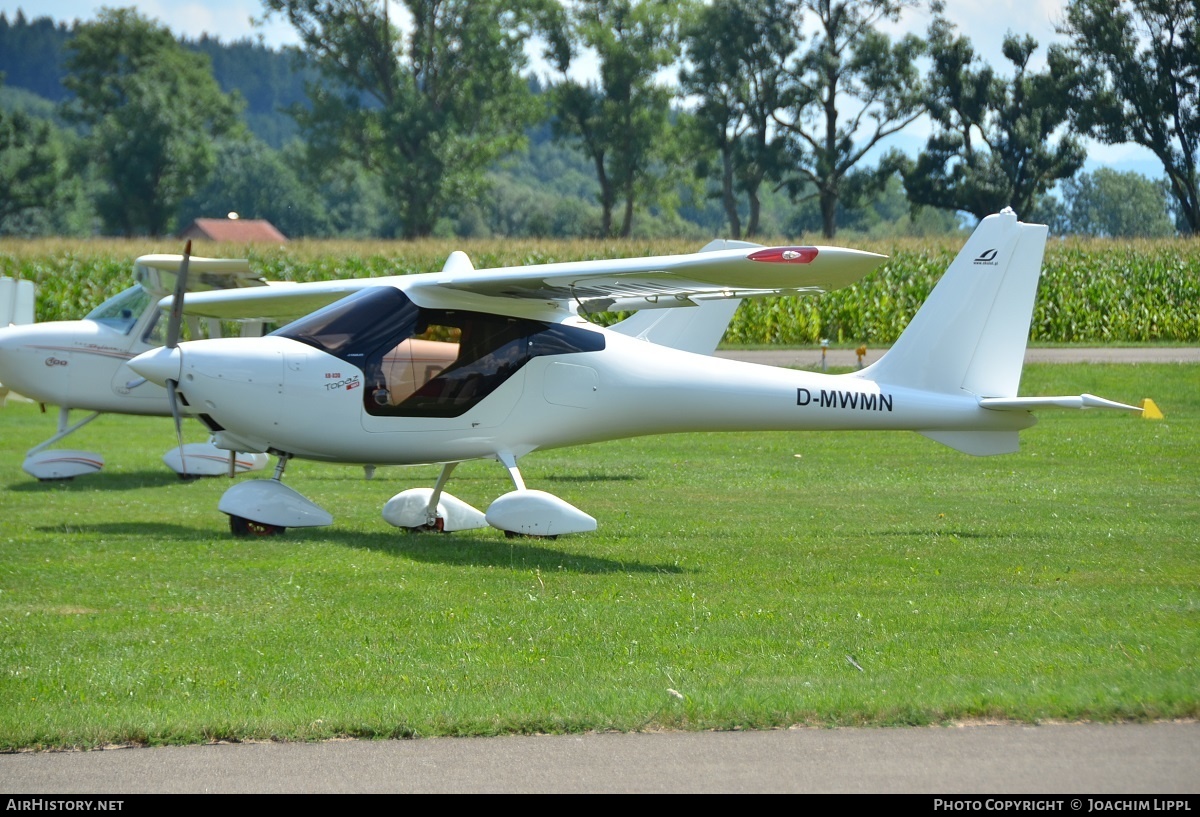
[(836, 398), (348, 383)]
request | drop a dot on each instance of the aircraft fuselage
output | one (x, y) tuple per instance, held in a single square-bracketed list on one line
[(285, 396), (79, 364)]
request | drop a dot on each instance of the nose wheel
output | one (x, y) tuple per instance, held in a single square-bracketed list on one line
[(267, 507), (241, 526), (512, 534)]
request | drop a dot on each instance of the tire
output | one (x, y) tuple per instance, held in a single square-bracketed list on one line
[(240, 526), (437, 527), (512, 534)]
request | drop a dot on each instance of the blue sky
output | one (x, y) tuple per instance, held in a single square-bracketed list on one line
[(985, 22)]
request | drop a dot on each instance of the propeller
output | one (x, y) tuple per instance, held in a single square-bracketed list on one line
[(174, 322)]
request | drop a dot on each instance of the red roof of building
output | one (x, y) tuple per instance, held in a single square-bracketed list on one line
[(239, 230)]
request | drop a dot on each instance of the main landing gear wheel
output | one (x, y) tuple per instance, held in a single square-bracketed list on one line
[(248, 527), (512, 534), (437, 527)]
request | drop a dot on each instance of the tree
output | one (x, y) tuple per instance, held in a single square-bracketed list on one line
[(994, 143), (31, 54), (428, 110), (256, 181), (153, 110), (353, 198), (1137, 70), (736, 50), (33, 170), (270, 81), (621, 122), (1113, 204), (847, 89)]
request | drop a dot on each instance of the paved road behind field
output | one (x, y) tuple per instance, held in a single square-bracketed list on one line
[(811, 358)]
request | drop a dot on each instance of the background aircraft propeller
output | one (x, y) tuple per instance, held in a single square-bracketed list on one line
[(174, 324)]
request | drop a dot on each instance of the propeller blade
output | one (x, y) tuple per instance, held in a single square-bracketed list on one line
[(173, 399), (176, 317), (173, 326)]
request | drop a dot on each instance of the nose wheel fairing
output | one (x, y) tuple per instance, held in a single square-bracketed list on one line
[(268, 502)]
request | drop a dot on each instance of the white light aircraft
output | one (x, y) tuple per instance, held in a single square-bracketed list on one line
[(465, 364), (84, 365)]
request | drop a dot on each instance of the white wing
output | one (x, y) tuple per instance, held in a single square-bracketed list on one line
[(668, 280), (157, 273), (279, 301), (589, 286)]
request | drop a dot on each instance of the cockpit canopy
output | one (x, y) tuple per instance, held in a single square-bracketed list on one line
[(420, 362), (121, 311)]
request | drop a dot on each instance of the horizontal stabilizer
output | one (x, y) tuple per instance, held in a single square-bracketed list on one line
[(1082, 401)]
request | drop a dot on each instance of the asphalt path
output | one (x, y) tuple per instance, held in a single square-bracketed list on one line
[(1069, 759), (1065, 759), (810, 358)]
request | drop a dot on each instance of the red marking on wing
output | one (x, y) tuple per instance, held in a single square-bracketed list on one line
[(785, 255)]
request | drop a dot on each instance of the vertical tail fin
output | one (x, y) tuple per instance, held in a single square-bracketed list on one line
[(696, 329), (970, 334), (16, 302)]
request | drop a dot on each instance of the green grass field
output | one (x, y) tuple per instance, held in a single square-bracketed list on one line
[(736, 581)]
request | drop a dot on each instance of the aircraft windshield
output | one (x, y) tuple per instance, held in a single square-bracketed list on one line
[(430, 362), (122, 310), (355, 325)]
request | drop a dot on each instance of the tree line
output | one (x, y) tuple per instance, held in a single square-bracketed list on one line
[(436, 123)]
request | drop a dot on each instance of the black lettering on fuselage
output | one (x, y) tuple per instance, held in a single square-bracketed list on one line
[(836, 398)]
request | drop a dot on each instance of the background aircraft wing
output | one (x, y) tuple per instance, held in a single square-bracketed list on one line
[(157, 273)]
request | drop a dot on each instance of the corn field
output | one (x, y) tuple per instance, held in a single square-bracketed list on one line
[(1091, 291)]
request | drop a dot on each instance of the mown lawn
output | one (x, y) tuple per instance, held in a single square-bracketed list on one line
[(736, 580)]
